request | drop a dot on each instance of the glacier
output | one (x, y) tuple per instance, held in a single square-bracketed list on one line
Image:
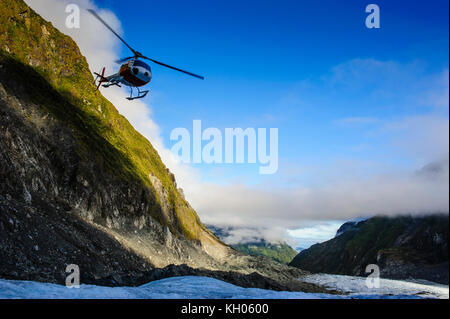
[(356, 286), (191, 287)]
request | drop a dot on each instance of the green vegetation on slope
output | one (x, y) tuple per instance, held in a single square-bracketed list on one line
[(282, 252), (256, 246), (65, 89)]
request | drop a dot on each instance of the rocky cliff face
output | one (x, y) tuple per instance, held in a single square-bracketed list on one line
[(403, 248), (78, 185), (68, 157)]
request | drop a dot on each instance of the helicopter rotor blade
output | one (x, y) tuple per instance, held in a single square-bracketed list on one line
[(173, 68), (124, 59), (136, 53), (112, 30)]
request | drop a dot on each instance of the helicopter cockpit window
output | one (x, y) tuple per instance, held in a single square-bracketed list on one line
[(135, 70)]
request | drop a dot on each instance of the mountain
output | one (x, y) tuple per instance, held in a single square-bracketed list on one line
[(67, 156), (280, 252), (353, 224), (79, 185), (403, 247), (255, 245)]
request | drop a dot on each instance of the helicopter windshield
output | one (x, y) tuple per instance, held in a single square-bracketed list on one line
[(141, 64)]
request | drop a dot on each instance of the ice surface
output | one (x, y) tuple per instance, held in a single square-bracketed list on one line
[(388, 287), (169, 288), (204, 287)]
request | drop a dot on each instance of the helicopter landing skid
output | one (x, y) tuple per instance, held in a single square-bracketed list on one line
[(141, 94), (112, 83)]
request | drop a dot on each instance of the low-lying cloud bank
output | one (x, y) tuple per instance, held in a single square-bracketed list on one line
[(421, 192), (422, 139)]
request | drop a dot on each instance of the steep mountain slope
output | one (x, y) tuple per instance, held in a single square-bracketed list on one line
[(79, 185), (62, 143), (403, 247)]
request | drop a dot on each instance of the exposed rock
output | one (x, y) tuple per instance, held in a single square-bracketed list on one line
[(402, 247)]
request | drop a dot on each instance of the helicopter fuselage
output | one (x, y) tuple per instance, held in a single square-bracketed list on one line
[(135, 73)]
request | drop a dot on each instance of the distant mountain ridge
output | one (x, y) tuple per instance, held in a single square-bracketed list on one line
[(403, 247), (353, 224), (279, 251)]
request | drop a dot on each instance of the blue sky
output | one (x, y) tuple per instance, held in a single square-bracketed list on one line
[(362, 113), (257, 56)]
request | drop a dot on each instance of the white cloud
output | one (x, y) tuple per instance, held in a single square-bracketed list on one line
[(363, 72), (313, 234), (356, 121), (424, 138), (243, 235), (438, 96), (95, 42), (383, 194)]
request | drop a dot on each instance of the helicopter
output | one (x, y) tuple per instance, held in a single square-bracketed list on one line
[(133, 72)]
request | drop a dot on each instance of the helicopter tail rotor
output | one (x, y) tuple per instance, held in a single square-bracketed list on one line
[(102, 78)]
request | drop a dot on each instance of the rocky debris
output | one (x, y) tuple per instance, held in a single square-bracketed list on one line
[(38, 242)]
